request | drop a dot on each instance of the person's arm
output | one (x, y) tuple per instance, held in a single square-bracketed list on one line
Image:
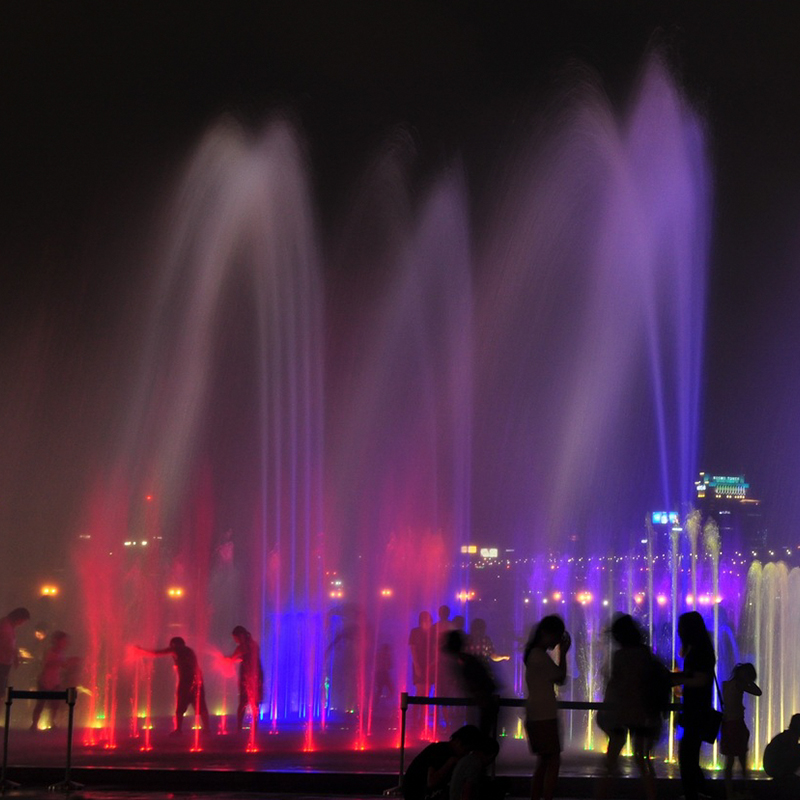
[(163, 652), (561, 664), (237, 654), (753, 688), (691, 680)]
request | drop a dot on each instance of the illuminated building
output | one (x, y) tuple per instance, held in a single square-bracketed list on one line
[(724, 498)]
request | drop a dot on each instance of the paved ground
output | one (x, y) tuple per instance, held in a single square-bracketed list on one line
[(285, 764)]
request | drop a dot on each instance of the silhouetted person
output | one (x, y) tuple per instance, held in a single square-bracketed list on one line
[(697, 679), (384, 673), (735, 736), (542, 674), (190, 690), (9, 652), (428, 774), (440, 629), (251, 674), (469, 780), (475, 680), (479, 643), (420, 644), (51, 678), (632, 702), (782, 760)]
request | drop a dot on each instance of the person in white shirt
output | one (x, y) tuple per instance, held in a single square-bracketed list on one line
[(543, 672)]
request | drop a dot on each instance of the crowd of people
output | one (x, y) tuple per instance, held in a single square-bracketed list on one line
[(448, 662), (639, 695)]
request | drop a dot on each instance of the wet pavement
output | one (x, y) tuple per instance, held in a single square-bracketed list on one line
[(285, 764)]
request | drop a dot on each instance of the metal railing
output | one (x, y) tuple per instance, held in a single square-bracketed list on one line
[(407, 700), (69, 696)]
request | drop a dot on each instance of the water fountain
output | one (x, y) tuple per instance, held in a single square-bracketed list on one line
[(519, 366)]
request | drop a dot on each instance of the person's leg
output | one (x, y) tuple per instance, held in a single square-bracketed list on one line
[(202, 709), (54, 706), (5, 671), (641, 753), (729, 776), (241, 707), (689, 763), (37, 713), (537, 786), (616, 741), (551, 776), (183, 698), (745, 766)]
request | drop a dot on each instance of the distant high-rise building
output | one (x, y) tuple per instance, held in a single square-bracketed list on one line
[(725, 499)]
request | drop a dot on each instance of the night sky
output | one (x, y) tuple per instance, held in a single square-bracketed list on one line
[(100, 103)]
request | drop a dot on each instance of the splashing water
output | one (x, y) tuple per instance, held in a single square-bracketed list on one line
[(518, 366)]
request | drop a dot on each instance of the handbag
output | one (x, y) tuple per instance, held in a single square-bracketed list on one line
[(712, 719), (710, 725)]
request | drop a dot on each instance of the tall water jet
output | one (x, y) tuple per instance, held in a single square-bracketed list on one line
[(240, 271)]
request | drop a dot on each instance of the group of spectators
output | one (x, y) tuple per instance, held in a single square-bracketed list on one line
[(639, 694)]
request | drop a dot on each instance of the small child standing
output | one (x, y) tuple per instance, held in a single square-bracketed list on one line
[(735, 734)]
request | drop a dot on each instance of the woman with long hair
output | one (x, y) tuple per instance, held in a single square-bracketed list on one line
[(543, 673), (697, 679)]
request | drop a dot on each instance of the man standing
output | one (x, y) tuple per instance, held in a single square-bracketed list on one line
[(190, 690)]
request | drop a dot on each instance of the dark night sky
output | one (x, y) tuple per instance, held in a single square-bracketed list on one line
[(99, 102)]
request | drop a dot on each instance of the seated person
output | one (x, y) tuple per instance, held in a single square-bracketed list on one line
[(782, 760), (469, 780), (428, 775)]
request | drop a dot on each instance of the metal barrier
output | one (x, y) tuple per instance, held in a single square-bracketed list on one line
[(69, 696), (407, 700)]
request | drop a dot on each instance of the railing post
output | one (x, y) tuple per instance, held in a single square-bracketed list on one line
[(403, 714), (4, 782)]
